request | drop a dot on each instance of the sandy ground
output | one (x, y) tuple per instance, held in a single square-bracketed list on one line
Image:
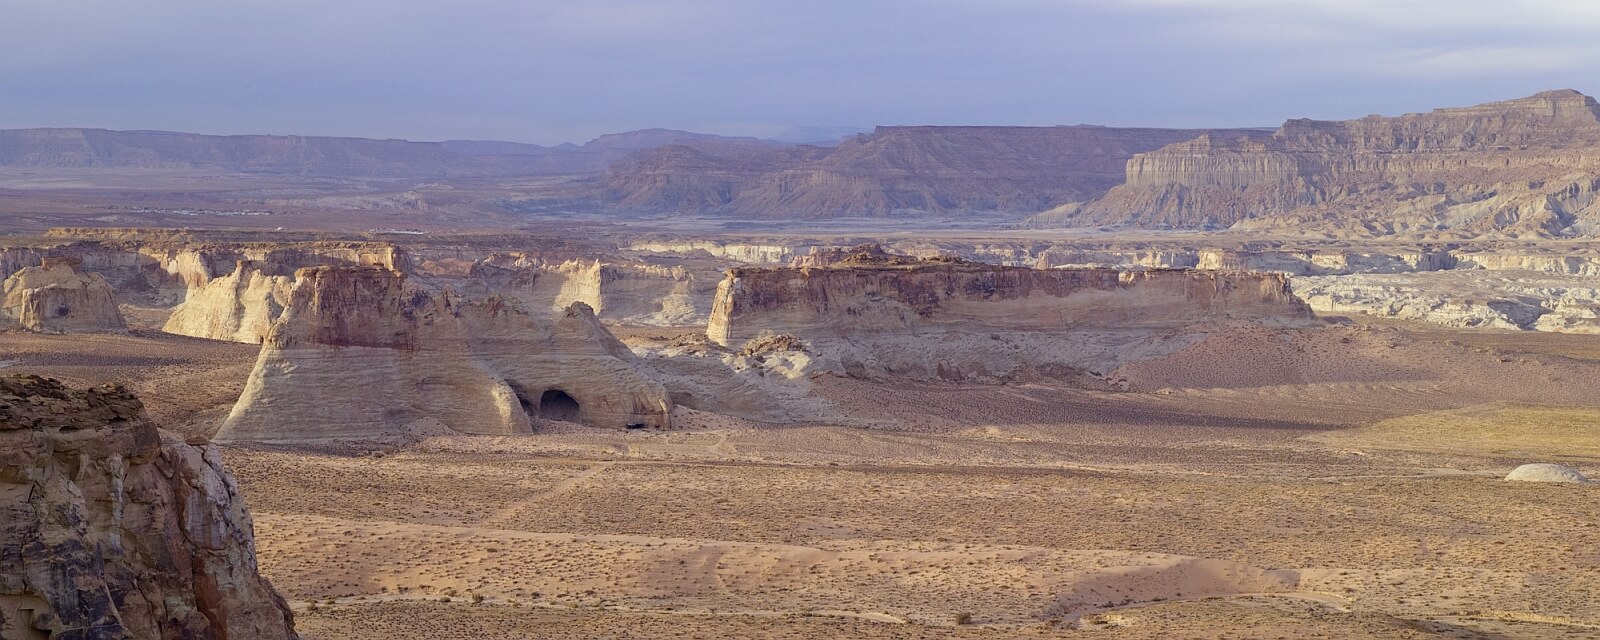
[(1342, 482)]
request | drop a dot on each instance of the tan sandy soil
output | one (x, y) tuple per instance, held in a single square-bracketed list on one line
[(1338, 483)]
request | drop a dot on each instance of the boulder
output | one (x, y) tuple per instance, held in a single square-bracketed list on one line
[(1546, 472)]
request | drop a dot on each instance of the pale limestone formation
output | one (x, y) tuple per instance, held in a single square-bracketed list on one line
[(1519, 300), (58, 298), (239, 307), (111, 529), (361, 353)]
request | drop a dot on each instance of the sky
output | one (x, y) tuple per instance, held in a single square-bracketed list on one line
[(550, 72)]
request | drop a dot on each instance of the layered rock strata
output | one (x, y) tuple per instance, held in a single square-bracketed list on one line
[(360, 352), (952, 319), (1522, 167), (56, 297), (111, 529), (1534, 301)]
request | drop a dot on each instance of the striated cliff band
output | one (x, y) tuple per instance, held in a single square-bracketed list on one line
[(111, 529), (871, 313), (360, 352), (1526, 167)]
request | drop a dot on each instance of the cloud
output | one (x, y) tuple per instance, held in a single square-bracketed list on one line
[(548, 71)]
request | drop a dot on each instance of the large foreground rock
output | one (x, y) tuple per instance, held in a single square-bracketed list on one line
[(111, 529), (56, 297), (359, 352)]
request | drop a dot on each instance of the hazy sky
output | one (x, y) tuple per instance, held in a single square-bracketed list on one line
[(544, 71)]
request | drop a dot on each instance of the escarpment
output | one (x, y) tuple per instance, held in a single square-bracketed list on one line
[(56, 297), (110, 528), (874, 313), (360, 352), (894, 169), (1522, 167)]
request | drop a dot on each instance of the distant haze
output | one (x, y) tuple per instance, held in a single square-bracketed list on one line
[(550, 72)]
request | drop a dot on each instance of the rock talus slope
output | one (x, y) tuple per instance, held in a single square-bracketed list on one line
[(111, 529), (360, 352)]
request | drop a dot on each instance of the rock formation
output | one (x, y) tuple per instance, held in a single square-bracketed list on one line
[(112, 529), (360, 352), (1524, 167), (895, 169), (877, 313), (1538, 301), (238, 307), (890, 294), (57, 298)]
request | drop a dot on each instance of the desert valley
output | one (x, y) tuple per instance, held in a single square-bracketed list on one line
[(1330, 380)]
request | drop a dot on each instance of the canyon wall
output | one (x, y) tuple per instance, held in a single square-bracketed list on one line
[(1522, 167), (238, 307), (111, 529), (359, 352)]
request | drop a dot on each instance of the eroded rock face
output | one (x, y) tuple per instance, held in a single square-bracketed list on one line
[(872, 314), (112, 529), (1526, 166), (1521, 300), (58, 298), (362, 353), (897, 297), (238, 307)]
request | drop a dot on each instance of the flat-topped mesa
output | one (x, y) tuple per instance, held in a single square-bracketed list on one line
[(117, 530), (921, 296), (359, 352), (930, 169), (56, 297), (1529, 166)]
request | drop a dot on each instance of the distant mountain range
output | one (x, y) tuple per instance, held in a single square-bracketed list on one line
[(1529, 166)]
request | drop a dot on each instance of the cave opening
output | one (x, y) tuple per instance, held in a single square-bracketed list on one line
[(555, 404)]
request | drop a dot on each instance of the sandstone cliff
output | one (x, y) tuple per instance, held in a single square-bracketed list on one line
[(111, 529), (360, 352), (895, 169), (880, 314), (1523, 167), (57, 298), (239, 307)]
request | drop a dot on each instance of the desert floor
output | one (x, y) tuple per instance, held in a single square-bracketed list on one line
[(1336, 482)]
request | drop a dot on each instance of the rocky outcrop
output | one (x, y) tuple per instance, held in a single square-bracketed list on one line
[(362, 353), (1465, 299), (880, 314), (1522, 167), (1546, 472), (112, 529), (895, 169), (57, 298), (238, 307), (853, 298)]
